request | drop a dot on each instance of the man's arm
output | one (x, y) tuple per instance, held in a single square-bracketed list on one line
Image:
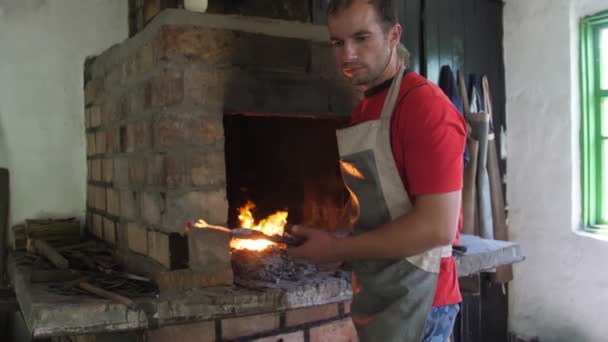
[(433, 222)]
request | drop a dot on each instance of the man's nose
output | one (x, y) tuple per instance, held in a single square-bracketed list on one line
[(349, 53)]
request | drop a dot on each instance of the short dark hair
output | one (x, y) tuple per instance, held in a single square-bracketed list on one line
[(385, 10)]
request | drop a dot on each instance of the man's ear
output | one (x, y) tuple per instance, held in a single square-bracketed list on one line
[(395, 35)]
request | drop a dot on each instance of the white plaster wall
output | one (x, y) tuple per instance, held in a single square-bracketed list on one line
[(43, 46), (560, 293)]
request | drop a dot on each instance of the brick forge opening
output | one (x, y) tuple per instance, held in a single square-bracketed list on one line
[(285, 162)]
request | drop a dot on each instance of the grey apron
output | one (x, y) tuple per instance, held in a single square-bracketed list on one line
[(392, 297)]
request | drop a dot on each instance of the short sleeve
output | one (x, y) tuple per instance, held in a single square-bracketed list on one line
[(432, 136)]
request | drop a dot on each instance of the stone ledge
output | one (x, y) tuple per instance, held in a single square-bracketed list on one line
[(47, 314), (178, 17), (484, 255)]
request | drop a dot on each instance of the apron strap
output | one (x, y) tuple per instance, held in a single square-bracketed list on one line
[(393, 95)]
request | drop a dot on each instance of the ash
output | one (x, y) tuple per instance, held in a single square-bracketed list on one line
[(270, 266)]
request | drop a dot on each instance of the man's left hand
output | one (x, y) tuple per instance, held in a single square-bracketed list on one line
[(319, 246)]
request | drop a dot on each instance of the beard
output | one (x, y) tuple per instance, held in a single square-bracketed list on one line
[(365, 74)]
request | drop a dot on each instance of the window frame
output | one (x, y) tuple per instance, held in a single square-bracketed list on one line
[(594, 146)]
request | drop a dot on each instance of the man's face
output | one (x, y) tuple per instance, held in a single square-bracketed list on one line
[(360, 44)]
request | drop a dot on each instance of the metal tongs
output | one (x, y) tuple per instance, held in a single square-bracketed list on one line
[(251, 234)]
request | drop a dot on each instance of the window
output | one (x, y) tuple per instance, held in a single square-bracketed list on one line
[(594, 129)]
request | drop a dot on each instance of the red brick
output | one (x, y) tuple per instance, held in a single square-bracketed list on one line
[(297, 336), (135, 102), (128, 204), (137, 238), (209, 45), (347, 307), (143, 135), (245, 326), (311, 314), (121, 172), (92, 90), (82, 338), (196, 332), (95, 116), (139, 136), (91, 144), (156, 170), (209, 255), (216, 205), (166, 89), (113, 202), (201, 86), (128, 138), (100, 198), (158, 247), (176, 130), (151, 208), (175, 171), (145, 58), (100, 142), (96, 169), (170, 250), (143, 61), (208, 167), (109, 230), (88, 220), (87, 119), (343, 331), (207, 130), (137, 171), (115, 78), (98, 225), (108, 170), (180, 208), (173, 131), (113, 140), (113, 109), (91, 196)]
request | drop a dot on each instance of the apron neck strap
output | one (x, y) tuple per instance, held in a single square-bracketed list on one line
[(393, 94)]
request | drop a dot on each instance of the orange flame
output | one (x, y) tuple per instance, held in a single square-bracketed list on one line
[(272, 225), (351, 169)]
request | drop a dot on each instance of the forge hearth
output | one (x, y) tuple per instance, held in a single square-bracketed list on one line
[(190, 119), (198, 114)]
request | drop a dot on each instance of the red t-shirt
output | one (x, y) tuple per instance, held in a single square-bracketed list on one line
[(428, 136)]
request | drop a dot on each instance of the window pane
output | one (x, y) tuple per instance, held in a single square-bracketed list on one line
[(604, 57), (604, 117), (604, 182)]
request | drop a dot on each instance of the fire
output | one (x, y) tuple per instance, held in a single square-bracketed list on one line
[(351, 169), (272, 225)]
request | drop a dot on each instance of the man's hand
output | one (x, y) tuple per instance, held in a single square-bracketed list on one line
[(319, 246)]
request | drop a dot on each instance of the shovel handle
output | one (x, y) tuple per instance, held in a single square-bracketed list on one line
[(106, 294)]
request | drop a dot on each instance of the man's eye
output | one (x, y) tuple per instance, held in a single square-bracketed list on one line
[(361, 38), (337, 43)]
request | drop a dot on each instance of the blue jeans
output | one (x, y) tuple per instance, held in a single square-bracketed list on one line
[(440, 323)]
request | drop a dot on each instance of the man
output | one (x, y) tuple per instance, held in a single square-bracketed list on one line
[(402, 162)]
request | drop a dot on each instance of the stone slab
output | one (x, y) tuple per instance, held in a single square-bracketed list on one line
[(47, 314), (485, 255)]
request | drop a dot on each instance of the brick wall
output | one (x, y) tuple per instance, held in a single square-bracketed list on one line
[(330, 322), (154, 131)]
